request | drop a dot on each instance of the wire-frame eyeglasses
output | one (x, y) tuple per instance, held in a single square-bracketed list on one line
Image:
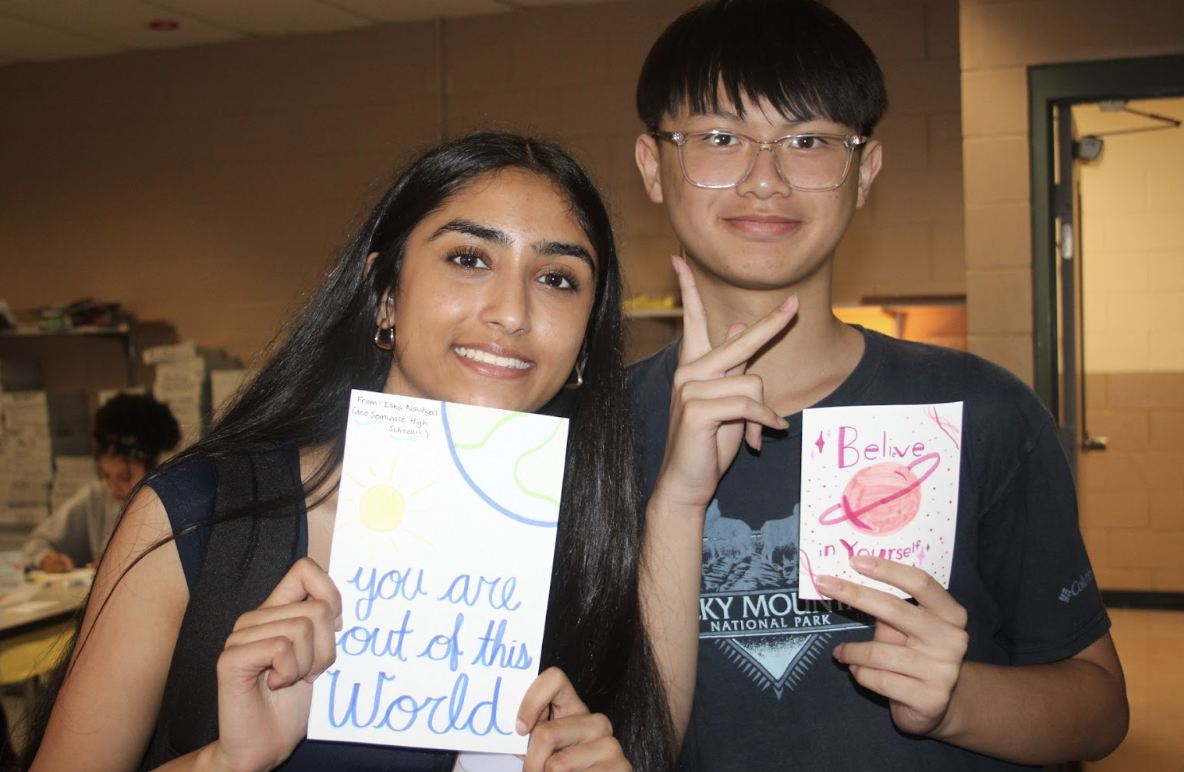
[(724, 159)]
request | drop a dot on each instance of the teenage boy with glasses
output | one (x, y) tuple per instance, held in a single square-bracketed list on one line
[(1005, 669)]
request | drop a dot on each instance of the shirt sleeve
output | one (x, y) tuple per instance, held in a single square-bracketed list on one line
[(66, 531), (1031, 547), (187, 494)]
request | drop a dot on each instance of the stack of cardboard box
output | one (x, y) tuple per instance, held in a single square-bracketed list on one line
[(181, 383), (26, 458)]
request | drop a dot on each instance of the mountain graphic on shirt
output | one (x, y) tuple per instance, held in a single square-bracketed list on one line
[(748, 603)]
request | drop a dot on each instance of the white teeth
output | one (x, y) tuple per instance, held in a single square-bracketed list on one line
[(490, 359)]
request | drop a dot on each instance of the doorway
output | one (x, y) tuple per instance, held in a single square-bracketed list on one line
[(1106, 305), (1132, 483)]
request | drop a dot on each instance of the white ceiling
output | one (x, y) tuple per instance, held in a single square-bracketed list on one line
[(48, 30)]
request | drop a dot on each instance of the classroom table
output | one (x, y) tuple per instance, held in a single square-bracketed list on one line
[(36, 620)]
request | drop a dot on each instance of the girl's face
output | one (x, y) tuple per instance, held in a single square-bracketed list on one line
[(495, 292), (121, 474)]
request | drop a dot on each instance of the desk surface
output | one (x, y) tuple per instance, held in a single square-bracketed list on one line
[(42, 603)]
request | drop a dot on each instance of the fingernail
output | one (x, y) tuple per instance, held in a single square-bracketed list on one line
[(520, 726), (863, 564), (789, 301), (674, 262), (827, 584)]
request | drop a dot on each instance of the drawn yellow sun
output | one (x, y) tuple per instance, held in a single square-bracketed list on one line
[(381, 508)]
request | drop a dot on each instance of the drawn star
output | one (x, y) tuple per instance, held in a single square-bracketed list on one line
[(820, 443)]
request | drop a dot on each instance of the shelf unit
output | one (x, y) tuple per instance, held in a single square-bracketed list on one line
[(88, 359)]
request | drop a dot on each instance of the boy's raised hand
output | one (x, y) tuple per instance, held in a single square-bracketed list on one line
[(714, 403), (915, 657)]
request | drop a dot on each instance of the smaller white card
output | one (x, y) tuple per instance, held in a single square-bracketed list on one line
[(879, 480)]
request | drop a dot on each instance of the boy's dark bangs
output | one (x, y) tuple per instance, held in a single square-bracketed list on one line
[(800, 57), (723, 88)]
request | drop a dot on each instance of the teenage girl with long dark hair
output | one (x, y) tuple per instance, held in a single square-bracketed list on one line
[(487, 275)]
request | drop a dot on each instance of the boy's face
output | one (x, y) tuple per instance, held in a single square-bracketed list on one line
[(761, 234)]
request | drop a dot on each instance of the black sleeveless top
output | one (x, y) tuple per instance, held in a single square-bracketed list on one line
[(231, 564)]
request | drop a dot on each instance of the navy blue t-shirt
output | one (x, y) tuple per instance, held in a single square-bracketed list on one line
[(769, 694)]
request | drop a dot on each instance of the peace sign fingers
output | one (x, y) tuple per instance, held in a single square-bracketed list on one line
[(742, 341), (715, 403)]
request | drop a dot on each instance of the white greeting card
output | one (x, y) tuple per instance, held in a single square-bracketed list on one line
[(444, 540), (879, 480)]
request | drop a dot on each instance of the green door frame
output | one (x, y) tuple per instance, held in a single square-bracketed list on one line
[(1067, 84)]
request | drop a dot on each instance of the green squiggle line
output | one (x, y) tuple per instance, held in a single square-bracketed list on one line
[(518, 481), (489, 434)]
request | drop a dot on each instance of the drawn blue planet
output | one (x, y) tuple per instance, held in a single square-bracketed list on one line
[(512, 461)]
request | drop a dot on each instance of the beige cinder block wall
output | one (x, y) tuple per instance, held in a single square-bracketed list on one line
[(1131, 547), (205, 185), (909, 238), (210, 185), (999, 41), (1133, 286)]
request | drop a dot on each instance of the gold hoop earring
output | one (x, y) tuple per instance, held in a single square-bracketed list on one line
[(384, 338), (578, 382)]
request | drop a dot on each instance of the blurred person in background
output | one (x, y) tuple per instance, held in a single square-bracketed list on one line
[(132, 431)]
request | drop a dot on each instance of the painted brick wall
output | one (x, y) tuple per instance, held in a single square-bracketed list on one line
[(211, 185), (908, 240), (999, 40)]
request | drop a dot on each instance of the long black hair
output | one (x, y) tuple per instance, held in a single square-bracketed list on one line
[(300, 398)]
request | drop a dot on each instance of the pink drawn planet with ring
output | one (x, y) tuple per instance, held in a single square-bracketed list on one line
[(882, 498)]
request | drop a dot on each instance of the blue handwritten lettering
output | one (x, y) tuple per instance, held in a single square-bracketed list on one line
[(480, 719), (390, 585), (360, 640), (351, 710), (494, 652), (451, 644), (456, 706), (499, 592)]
